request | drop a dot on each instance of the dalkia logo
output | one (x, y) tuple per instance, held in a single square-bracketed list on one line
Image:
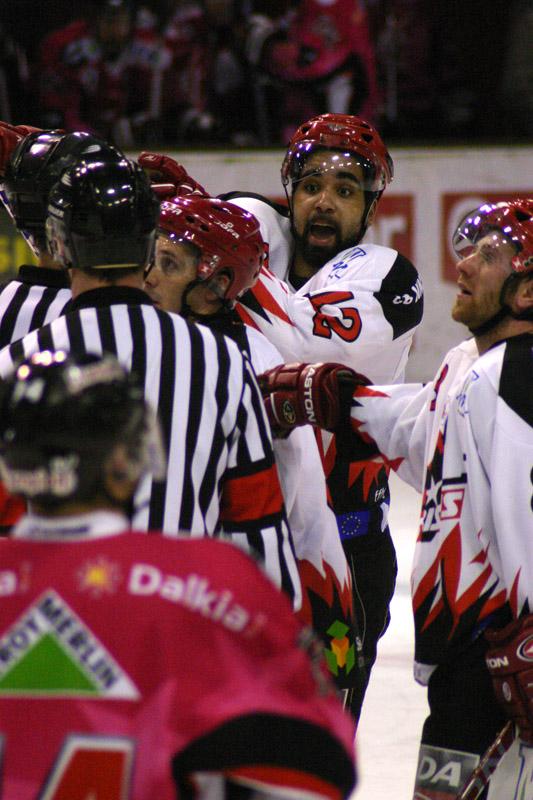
[(49, 651)]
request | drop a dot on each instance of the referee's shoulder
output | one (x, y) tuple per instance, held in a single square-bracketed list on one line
[(212, 338)]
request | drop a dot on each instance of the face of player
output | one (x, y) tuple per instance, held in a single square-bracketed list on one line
[(174, 269), (481, 275), (328, 205)]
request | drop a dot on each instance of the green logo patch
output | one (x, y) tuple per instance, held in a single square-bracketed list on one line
[(342, 652), (50, 651)]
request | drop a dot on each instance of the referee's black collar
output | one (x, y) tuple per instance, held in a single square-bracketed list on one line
[(32, 275), (110, 296)]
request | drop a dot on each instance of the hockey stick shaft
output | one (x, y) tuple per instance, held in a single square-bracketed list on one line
[(480, 777)]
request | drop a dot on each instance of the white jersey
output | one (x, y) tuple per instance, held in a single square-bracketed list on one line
[(471, 425), (361, 309), (312, 523), (481, 547), (327, 600), (490, 429), (404, 420)]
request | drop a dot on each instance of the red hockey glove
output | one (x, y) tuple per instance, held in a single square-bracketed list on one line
[(163, 190), (308, 394), (509, 660), (164, 169), (10, 136)]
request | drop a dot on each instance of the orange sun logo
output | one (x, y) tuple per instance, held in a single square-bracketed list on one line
[(99, 576)]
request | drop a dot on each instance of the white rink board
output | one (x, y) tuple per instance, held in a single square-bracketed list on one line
[(433, 188)]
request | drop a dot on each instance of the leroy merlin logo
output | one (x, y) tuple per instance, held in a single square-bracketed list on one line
[(50, 651)]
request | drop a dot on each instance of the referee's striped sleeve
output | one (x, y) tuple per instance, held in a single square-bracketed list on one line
[(25, 308), (253, 512)]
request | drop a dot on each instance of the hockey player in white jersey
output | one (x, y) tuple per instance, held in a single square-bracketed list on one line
[(207, 253), (466, 441), (327, 296), (351, 302)]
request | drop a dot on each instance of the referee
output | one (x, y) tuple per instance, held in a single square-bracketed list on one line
[(221, 476), (40, 292)]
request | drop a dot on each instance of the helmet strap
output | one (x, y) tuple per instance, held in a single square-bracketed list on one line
[(371, 198), (187, 312)]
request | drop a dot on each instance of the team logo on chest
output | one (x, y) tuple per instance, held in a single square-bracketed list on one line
[(49, 651)]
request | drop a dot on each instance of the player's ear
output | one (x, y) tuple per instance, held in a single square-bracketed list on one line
[(522, 299)]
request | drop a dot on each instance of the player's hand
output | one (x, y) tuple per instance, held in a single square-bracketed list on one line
[(308, 394), (164, 169), (509, 660), (10, 136)]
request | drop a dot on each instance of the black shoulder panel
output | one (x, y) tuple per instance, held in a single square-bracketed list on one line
[(401, 296), (516, 379)]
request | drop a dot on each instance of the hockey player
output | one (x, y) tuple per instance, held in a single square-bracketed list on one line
[(138, 666), (40, 292), (359, 307), (221, 476), (466, 440), (354, 303), (34, 160), (208, 253)]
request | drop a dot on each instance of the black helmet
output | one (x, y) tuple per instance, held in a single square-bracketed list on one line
[(36, 165), (60, 419), (102, 215)]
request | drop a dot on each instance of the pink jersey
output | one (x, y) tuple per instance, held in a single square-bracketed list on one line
[(129, 662)]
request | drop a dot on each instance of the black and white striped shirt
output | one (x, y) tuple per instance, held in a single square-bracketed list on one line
[(34, 298), (221, 475)]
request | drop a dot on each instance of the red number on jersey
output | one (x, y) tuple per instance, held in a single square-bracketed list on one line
[(348, 328), (96, 767)]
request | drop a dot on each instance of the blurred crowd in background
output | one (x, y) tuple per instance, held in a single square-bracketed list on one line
[(247, 72)]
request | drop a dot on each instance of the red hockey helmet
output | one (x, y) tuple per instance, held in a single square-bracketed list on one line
[(512, 219), (227, 237), (348, 134)]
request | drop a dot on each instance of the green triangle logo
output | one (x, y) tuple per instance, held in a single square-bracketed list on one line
[(49, 651), (46, 667)]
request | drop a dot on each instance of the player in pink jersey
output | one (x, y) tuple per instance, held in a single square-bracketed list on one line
[(135, 666)]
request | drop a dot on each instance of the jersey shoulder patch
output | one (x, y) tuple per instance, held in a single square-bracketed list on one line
[(516, 378), (401, 296)]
